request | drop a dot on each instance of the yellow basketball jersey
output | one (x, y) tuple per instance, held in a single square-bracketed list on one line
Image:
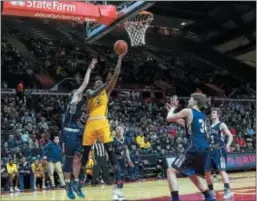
[(97, 106)]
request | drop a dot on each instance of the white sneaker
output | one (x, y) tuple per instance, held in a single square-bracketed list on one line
[(115, 197), (227, 194), (119, 193), (44, 187), (17, 189), (35, 187), (121, 197), (11, 189)]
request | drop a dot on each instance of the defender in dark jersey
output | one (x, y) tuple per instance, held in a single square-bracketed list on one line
[(120, 146), (217, 156), (71, 136), (191, 162)]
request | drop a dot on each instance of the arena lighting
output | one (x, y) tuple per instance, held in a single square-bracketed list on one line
[(183, 24)]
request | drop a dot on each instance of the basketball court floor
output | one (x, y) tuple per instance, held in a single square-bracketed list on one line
[(243, 185)]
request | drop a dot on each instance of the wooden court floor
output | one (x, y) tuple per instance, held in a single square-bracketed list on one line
[(243, 185)]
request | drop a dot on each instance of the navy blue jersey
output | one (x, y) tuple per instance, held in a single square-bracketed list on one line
[(216, 136), (72, 114), (120, 146), (199, 140)]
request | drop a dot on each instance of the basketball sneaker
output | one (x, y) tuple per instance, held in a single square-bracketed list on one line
[(17, 189), (77, 189), (118, 195), (69, 191), (210, 199), (212, 193), (227, 194), (11, 189)]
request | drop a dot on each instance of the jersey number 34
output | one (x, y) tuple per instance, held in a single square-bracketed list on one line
[(203, 127)]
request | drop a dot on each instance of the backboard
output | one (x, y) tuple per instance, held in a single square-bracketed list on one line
[(125, 10)]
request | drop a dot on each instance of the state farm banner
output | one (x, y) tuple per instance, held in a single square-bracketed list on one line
[(62, 10)]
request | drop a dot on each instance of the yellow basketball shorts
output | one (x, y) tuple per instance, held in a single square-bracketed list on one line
[(97, 130)]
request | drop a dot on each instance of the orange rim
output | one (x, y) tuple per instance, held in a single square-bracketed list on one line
[(143, 12), (141, 21)]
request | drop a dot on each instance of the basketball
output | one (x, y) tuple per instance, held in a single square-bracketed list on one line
[(120, 47)]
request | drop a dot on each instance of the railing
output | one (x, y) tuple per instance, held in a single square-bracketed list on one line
[(122, 90)]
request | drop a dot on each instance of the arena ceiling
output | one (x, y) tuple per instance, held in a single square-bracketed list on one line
[(223, 32), (229, 27)]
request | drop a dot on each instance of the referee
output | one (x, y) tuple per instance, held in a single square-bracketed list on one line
[(100, 162)]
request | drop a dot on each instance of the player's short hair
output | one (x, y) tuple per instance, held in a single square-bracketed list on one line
[(200, 98), (217, 110)]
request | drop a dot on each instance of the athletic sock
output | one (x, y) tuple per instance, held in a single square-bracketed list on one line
[(174, 195), (210, 186), (206, 194), (67, 181), (226, 186)]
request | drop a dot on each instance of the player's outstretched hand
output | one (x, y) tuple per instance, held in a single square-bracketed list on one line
[(173, 103), (122, 55), (167, 106), (93, 63)]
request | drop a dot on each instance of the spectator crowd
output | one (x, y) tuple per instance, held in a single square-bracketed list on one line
[(68, 58), (28, 130)]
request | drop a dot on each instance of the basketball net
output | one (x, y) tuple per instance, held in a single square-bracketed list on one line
[(137, 26)]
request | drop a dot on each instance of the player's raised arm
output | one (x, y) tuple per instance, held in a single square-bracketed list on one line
[(226, 131), (85, 82), (92, 93), (113, 80), (176, 117)]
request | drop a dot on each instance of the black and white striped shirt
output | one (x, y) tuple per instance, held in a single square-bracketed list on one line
[(98, 148)]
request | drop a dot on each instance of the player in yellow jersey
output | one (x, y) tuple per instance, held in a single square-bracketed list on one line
[(97, 126)]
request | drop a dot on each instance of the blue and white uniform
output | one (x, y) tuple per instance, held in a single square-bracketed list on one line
[(217, 155), (120, 147), (192, 161), (72, 132)]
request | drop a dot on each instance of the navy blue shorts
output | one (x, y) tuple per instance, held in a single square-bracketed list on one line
[(72, 142), (216, 160), (191, 163), (122, 168)]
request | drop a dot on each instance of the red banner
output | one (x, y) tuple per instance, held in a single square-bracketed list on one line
[(62, 10)]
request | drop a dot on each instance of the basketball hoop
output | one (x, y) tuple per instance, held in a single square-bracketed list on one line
[(137, 26)]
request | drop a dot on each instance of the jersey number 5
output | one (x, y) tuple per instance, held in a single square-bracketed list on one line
[(202, 126), (98, 100)]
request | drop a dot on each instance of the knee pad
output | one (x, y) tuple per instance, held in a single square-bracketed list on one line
[(84, 159), (109, 149), (68, 163)]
